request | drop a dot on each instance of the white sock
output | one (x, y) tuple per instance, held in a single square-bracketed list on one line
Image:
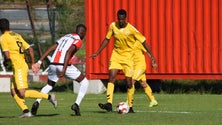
[(46, 89), (82, 90)]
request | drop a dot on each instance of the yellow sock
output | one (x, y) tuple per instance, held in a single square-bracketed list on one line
[(109, 92), (148, 92), (35, 94), (20, 102), (130, 94)]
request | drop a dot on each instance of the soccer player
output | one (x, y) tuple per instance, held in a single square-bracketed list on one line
[(13, 47), (60, 65), (121, 59), (140, 71)]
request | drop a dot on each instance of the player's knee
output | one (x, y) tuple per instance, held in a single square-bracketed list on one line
[(80, 78), (51, 83), (21, 94), (143, 84)]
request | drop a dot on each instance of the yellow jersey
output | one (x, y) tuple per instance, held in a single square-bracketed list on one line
[(125, 38), (15, 45)]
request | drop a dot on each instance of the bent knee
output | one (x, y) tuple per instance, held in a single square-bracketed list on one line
[(143, 84)]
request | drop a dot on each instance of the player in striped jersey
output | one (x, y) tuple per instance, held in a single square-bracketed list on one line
[(60, 66)]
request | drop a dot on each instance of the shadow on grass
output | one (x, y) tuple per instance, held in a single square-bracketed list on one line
[(7, 116), (43, 115), (59, 87)]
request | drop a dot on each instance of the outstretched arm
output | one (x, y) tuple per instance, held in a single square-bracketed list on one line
[(37, 65), (102, 46), (50, 49)]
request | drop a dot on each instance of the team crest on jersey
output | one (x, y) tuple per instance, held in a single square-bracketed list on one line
[(127, 32)]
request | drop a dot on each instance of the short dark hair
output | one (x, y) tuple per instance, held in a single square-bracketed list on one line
[(80, 25), (121, 12), (4, 24)]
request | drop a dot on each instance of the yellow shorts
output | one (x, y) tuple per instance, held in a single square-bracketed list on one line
[(123, 62), (139, 66), (20, 79)]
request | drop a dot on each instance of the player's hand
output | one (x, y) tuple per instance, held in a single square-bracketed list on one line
[(62, 73), (154, 65), (35, 67)]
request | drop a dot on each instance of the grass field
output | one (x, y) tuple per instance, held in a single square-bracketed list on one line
[(173, 109)]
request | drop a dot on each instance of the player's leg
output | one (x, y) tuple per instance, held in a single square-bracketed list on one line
[(127, 65), (84, 83), (18, 88), (52, 78), (73, 73), (20, 102), (47, 88), (21, 81), (130, 93), (149, 94), (22, 85), (114, 68), (110, 89)]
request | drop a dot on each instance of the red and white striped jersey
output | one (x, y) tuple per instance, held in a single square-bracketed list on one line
[(64, 44)]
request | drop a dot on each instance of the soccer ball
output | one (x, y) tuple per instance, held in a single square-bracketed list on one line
[(122, 108)]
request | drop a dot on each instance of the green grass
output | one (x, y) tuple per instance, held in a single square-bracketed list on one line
[(173, 109)]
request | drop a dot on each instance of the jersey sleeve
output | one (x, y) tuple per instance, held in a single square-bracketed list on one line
[(110, 31), (4, 45), (24, 43), (139, 36), (78, 43)]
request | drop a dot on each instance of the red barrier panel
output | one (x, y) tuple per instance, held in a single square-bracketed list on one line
[(185, 36)]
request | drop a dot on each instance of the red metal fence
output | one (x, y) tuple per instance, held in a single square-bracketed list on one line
[(185, 36)]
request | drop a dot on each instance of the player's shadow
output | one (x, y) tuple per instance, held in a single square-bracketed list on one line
[(7, 116), (43, 115), (104, 112)]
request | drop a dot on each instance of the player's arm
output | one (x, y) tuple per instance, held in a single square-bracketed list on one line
[(71, 51), (102, 46), (31, 53), (154, 65), (6, 58), (37, 65), (49, 50)]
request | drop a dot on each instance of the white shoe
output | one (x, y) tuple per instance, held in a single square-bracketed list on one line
[(53, 100), (25, 115)]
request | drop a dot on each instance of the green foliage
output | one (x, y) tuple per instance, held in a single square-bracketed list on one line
[(69, 14)]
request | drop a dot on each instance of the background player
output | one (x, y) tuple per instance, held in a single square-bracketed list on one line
[(140, 71)]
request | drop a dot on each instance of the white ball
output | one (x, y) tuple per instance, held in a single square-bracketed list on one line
[(122, 108)]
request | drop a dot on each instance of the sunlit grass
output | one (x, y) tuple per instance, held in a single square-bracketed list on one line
[(173, 109)]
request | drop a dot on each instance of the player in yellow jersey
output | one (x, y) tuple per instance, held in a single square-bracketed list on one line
[(13, 47), (122, 56), (140, 71)]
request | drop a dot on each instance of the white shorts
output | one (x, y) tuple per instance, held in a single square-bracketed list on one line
[(71, 72)]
